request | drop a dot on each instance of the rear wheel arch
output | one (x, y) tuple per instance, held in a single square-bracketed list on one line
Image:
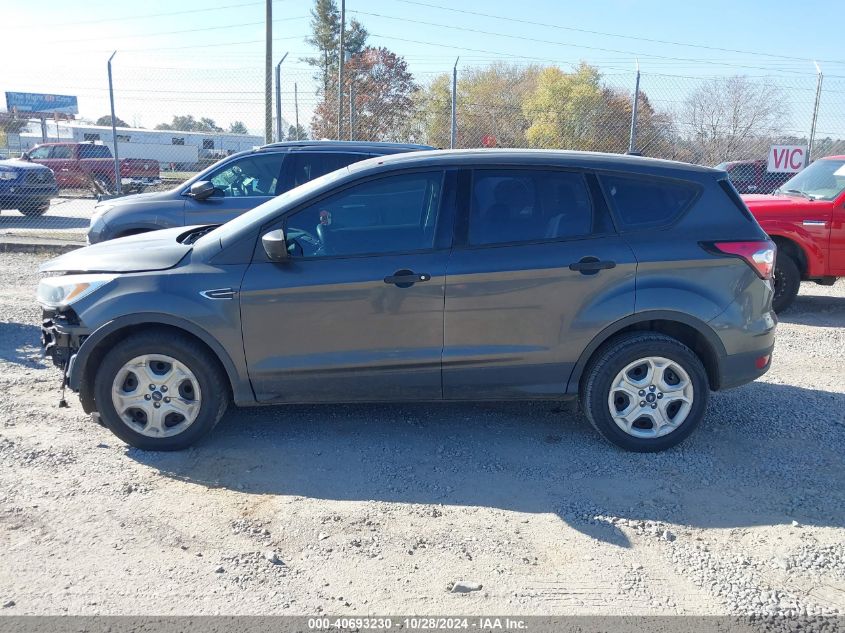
[(693, 333), (793, 249), (90, 356)]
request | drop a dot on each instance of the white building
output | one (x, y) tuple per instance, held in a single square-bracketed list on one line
[(173, 149)]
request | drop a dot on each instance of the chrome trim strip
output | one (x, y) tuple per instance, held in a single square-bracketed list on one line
[(814, 223), (219, 293)]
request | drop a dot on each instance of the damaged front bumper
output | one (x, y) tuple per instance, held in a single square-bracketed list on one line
[(61, 336)]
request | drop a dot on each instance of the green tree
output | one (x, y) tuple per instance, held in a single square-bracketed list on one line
[(187, 123), (325, 37), (106, 120), (489, 106), (564, 108), (238, 127), (297, 133)]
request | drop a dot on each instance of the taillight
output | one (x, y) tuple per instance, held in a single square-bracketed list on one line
[(759, 254)]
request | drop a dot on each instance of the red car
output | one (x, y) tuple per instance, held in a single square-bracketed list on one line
[(806, 219), (76, 165)]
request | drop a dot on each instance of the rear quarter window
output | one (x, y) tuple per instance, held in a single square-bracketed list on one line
[(646, 202)]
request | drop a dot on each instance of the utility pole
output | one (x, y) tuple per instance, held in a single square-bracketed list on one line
[(296, 109), (279, 99), (117, 182), (454, 133), (632, 139), (340, 62), (352, 107), (819, 79), (268, 73)]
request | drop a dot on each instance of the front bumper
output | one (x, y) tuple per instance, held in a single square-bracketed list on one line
[(14, 197), (61, 337)]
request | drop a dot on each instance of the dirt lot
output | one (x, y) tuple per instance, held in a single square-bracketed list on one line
[(380, 509)]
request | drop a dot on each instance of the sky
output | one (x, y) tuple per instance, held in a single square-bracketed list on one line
[(205, 57)]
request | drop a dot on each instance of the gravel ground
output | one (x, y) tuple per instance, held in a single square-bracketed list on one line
[(413, 509)]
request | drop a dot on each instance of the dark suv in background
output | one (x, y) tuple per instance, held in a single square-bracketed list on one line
[(636, 284), (232, 186)]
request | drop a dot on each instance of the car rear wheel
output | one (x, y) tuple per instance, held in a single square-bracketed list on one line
[(787, 281), (160, 392), (645, 392), (35, 209)]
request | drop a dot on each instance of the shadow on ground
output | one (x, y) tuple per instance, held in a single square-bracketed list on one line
[(19, 344), (12, 220), (767, 454), (816, 310)]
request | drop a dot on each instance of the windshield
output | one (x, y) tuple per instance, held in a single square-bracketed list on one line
[(265, 212), (823, 180)]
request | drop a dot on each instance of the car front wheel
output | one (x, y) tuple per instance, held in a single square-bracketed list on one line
[(645, 391), (159, 391), (35, 209)]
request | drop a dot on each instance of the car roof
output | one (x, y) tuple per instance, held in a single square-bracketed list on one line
[(531, 157), (360, 146)]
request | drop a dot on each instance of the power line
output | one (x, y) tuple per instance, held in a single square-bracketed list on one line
[(532, 39), (157, 15), (208, 28), (628, 37), (214, 45)]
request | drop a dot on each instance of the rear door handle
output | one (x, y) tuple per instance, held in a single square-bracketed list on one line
[(591, 265), (406, 278)]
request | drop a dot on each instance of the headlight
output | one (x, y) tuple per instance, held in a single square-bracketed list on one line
[(8, 174), (58, 292)]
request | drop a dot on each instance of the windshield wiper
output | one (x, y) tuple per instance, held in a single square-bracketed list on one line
[(800, 193)]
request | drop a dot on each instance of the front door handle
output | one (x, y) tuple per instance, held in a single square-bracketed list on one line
[(406, 278), (591, 265)]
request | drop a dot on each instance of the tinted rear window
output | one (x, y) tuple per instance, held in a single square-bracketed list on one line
[(731, 192), (528, 205), (647, 202)]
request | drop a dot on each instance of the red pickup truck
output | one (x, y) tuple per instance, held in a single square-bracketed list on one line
[(806, 219), (752, 176), (79, 165)]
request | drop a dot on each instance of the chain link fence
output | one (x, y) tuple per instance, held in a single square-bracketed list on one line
[(172, 123)]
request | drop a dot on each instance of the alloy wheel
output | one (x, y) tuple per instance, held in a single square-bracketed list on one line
[(156, 395), (650, 397)]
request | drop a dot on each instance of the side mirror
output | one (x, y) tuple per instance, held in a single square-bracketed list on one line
[(25, 156), (275, 245), (201, 190)]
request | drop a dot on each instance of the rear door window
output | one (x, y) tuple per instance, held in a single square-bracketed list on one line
[(643, 202), (528, 205), (94, 151), (305, 166), (61, 151)]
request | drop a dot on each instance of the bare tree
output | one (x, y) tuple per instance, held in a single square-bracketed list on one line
[(732, 118)]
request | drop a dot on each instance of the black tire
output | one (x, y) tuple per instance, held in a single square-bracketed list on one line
[(35, 209), (787, 281), (205, 367), (612, 358)]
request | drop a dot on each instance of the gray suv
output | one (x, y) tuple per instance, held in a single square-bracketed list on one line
[(637, 285), (231, 186)]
